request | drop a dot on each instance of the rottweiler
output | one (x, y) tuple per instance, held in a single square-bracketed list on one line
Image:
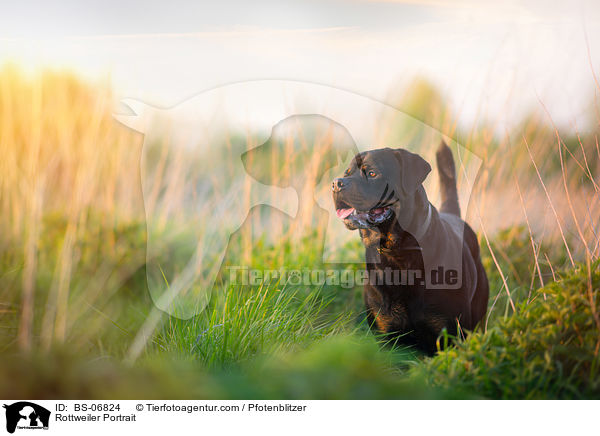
[(423, 267)]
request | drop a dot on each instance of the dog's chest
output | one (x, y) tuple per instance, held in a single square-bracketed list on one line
[(392, 319), (394, 308)]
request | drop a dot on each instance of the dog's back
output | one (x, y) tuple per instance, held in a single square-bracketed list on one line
[(450, 213)]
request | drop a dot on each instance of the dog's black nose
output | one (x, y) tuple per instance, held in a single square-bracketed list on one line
[(339, 184)]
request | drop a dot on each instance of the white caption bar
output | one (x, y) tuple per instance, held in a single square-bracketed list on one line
[(158, 417)]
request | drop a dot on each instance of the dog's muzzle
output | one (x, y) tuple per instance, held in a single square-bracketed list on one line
[(339, 184), (354, 219)]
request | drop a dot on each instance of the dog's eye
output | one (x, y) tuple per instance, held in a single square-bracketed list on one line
[(371, 173)]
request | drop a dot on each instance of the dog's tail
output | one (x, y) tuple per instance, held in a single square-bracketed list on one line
[(447, 172)]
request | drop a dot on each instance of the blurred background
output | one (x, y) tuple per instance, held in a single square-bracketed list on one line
[(491, 60), (514, 83)]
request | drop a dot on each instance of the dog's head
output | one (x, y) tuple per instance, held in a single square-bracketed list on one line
[(378, 186)]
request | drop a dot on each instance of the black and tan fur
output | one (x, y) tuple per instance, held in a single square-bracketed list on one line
[(411, 234)]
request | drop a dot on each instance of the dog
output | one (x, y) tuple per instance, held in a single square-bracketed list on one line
[(381, 194)]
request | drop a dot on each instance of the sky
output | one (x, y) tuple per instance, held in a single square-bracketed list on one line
[(496, 60)]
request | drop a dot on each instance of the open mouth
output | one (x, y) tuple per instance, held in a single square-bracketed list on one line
[(361, 220)]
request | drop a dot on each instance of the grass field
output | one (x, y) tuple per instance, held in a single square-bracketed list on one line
[(77, 320)]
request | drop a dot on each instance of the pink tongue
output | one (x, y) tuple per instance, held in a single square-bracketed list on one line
[(343, 213), (377, 211)]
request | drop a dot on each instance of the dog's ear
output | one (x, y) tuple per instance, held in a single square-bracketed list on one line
[(414, 169)]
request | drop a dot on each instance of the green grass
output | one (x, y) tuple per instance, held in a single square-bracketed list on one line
[(240, 324), (77, 259), (548, 349), (283, 341), (278, 341)]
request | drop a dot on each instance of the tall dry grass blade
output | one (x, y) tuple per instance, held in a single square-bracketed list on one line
[(487, 241), (589, 55), (64, 284), (32, 184), (144, 335), (157, 181), (587, 166), (569, 202), (491, 309), (562, 234), (531, 239), (597, 149), (592, 224), (30, 271), (551, 267)]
